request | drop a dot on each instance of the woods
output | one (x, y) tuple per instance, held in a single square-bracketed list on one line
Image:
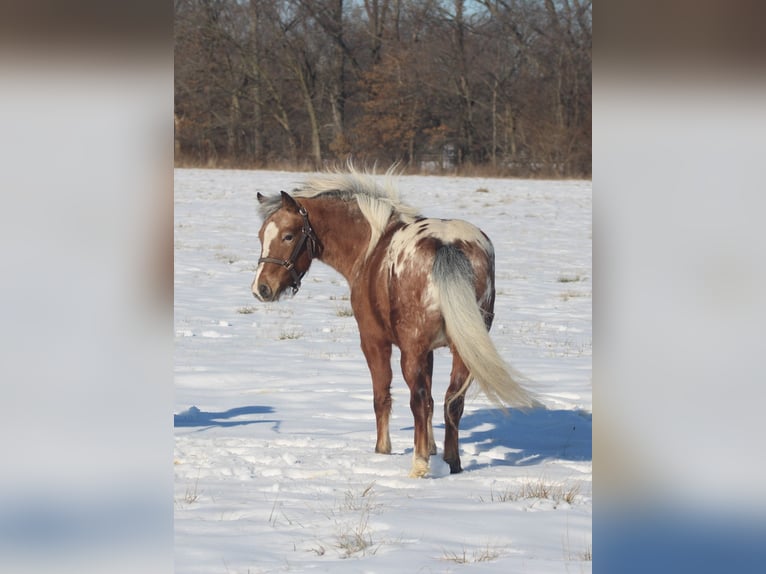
[(502, 86)]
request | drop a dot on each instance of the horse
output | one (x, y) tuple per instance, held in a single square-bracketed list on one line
[(415, 282)]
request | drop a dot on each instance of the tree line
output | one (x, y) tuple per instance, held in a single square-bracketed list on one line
[(502, 86)]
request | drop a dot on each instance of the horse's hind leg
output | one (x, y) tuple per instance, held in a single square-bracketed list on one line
[(429, 379), (417, 373), (453, 411), (378, 355)]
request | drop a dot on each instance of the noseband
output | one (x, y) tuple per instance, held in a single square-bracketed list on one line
[(309, 239)]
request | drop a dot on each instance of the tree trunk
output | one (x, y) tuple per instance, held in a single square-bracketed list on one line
[(493, 151), (176, 137), (338, 86), (316, 149), (233, 127), (256, 88), (510, 131)]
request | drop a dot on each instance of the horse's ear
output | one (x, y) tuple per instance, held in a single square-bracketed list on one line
[(261, 197), (288, 202)]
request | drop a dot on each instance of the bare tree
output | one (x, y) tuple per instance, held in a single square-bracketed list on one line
[(502, 83)]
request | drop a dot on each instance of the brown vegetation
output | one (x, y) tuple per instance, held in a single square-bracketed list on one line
[(499, 87)]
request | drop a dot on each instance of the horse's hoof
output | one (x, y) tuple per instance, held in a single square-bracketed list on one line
[(383, 444), (419, 467), (454, 466)]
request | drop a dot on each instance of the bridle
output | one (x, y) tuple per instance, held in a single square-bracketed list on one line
[(308, 238)]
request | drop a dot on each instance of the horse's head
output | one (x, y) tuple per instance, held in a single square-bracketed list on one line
[(288, 244)]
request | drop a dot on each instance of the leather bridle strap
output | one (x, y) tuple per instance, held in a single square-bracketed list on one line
[(308, 237)]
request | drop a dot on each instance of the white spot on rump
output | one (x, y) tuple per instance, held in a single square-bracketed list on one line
[(403, 244), (402, 247), (451, 230)]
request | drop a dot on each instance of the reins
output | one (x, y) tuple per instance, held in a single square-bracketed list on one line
[(308, 237)]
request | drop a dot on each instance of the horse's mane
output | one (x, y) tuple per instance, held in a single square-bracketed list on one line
[(377, 203)]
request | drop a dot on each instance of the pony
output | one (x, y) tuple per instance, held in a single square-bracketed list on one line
[(415, 282)]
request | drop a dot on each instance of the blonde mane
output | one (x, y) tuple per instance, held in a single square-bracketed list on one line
[(377, 203)]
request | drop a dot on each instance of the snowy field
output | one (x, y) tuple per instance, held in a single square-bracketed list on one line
[(275, 469)]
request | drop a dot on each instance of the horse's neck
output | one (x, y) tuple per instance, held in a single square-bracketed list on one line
[(343, 233)]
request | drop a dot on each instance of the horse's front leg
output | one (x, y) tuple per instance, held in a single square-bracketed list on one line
[(417, 373), (378, 355)]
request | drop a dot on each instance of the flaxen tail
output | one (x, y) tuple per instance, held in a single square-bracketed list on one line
[(466, 330)]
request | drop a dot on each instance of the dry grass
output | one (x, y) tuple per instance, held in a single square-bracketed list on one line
[(573, 294), (537, 490), (569, 279), (191, 495), (344, 311), (290, 334), (583, 555), (355, 538), (354, 535), (485, 554)]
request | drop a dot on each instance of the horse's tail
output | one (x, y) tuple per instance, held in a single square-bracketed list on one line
[(467, 331)]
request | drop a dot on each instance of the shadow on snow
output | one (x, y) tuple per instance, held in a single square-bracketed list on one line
[(193, 417), (517, 439), (522, 438), (528, 438)]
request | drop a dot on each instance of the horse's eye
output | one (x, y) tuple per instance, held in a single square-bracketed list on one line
[(288, 237)]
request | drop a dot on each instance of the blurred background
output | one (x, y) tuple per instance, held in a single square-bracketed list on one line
[(90, 121), (86, 140), (679, 126)]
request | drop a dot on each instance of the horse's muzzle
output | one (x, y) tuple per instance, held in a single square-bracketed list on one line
[(263, 292)]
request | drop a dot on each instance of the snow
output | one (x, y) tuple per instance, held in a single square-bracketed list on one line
[(275, 469)]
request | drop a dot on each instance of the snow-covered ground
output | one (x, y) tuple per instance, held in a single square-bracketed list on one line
[(274, 461)]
